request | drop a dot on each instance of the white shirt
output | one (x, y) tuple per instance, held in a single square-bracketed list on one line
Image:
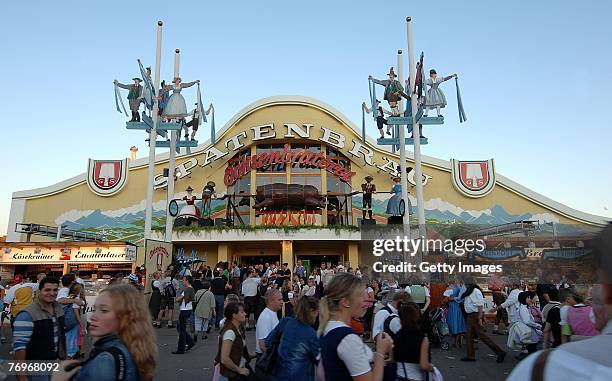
[(10, 294), (581, 360), (327, 276), (355, 355), (185, 307), (379, 321), (473, 301), (511, 305), (265, 324), (63, 292), (249, 286)]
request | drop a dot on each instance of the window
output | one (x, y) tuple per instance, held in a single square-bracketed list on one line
[(296, 167), (268, 149)]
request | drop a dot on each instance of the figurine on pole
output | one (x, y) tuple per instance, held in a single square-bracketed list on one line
[(134, 96), (435, 98), (393, 91), (393, 205), (380, 117), (176, 108), (368, 188)]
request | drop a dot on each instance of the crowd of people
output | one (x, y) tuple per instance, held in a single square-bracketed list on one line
[(332, 322), (48, 323)]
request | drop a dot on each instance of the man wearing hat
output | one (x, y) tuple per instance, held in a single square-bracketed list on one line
[(393, 91), (193, 123), (207, 194), (367, 188), (380, 117), (134, 96)]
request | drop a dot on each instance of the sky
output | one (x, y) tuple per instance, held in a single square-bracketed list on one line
[(533, 76)]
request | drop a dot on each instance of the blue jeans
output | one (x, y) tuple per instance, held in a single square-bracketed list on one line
[(219, 299), (184, 337)]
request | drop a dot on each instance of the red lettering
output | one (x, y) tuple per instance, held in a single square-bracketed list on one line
[(306, 157), (228, 179)]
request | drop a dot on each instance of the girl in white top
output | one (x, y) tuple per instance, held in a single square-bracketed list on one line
[(343, 301)]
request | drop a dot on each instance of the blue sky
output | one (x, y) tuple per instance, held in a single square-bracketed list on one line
[(534, 78)]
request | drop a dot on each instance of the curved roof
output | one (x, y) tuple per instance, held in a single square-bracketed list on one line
[(324, 107)]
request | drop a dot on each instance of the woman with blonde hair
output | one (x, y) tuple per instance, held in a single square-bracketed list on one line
[(125, 347), (344, 357)]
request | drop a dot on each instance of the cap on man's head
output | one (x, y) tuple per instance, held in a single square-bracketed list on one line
[(18, 278)]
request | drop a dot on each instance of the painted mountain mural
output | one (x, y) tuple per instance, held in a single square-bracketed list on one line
[(127, 224)]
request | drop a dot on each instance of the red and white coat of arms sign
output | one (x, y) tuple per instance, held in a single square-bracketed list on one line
[(473, 178), (107, 177)]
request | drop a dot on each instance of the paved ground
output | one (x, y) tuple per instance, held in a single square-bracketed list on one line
[(197, 363)]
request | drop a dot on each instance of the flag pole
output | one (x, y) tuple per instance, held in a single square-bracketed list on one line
[(416, 133), (402, 149), (172, 160), (153, 138)]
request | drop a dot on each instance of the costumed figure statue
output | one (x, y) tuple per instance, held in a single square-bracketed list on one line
[(147, 91), (189, 210), (207, 194), (176, 108), (380, 117), (393, 205), (194, 123), (393, 91), (368, 188), (163, 99), (435, 98), (134, 96)]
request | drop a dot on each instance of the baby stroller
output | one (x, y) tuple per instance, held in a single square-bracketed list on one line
[(438, 328)]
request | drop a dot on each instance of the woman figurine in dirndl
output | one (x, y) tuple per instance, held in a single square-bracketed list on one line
[(176, 108), (393, 205), (435, 98)]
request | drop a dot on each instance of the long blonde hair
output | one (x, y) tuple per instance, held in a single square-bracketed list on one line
[(135, 328), (343, 285)]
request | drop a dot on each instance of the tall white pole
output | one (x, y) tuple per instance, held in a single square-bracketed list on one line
[(172, 160), (402, 148), (416, 133), (153, 137)]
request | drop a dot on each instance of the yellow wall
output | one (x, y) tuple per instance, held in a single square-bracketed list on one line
[(45, 209)]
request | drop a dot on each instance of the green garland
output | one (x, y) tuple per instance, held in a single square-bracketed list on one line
[(248, 228)]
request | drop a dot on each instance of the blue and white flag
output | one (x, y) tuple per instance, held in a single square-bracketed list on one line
[(148, 92), (373, 99), (212, 127), (200, 107), (462, 117), (119, 100)]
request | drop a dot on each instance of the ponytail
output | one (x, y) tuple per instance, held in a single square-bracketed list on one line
[(343, 285), (323, 314)]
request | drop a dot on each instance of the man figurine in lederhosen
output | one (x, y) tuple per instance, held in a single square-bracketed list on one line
[(368, 188), (134, 97), (393, 91), (194, 123), (380, 117), (207, 194)]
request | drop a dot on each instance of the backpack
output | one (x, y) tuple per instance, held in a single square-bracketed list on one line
[(169, 290), (70, 318)]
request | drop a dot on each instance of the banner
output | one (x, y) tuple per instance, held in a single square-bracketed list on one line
[(158, 255)]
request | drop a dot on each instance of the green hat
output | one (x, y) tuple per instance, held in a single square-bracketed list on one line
[(136, 79)]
